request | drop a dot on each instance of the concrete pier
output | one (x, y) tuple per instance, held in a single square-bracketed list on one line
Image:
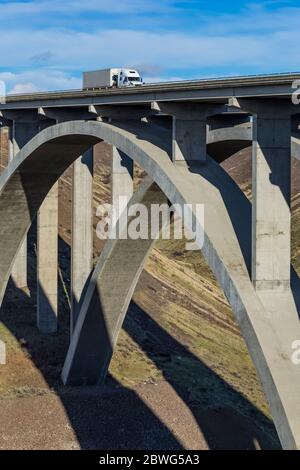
[(2, 353), (47, 262), (82, 230), (271, 215), (189, 140), (121, 179), (19, 134)]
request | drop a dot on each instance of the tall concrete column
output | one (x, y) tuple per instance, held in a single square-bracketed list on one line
[(82, 230), (121, 179), (19, 134), (10, 142), (2, 353), (189, 140), (271, 215), (47, 260)]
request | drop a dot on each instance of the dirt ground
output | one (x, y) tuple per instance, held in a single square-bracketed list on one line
[(150, 417), (158, 394)]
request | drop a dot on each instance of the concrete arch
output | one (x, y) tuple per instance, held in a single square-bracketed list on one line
[(225, 141), (107, 298), (268, 335)]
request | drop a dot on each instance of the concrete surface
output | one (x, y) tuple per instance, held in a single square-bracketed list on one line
[(2, 353), (271, 199), (217, 90), (82, 230), (121, 181), (189, 140), (47, 262)]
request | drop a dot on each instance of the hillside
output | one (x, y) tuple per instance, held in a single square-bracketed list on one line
[(181, 375)]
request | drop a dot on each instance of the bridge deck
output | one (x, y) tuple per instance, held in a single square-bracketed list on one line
[(212, 90)]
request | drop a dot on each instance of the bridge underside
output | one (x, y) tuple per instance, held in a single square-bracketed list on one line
[(268, 318)]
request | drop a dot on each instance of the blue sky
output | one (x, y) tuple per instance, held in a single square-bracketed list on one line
[(46, 44)]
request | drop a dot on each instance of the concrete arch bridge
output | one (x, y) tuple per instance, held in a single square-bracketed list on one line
[(179, 134)]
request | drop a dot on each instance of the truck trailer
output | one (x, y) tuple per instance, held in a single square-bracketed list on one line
[(109, 78)]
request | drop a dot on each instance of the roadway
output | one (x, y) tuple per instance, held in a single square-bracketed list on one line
[(217, 90)]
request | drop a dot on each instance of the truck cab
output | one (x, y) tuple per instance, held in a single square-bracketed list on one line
[(127, 78)]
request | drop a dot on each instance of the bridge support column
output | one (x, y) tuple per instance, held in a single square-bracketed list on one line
[(189, 140), (47, 259), (47, 262), (121, 179), (19, 134), (82, 230), (271, 216)]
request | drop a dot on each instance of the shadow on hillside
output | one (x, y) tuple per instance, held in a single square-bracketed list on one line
[(207, 395), (114, 417)]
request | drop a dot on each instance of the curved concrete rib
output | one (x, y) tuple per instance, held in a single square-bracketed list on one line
[(269, 334), (107, 299)]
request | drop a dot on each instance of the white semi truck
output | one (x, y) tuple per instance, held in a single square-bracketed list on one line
[(108, 78)]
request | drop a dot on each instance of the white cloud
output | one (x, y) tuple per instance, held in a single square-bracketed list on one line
[(38, 80), (24, 88), (71, 50)]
